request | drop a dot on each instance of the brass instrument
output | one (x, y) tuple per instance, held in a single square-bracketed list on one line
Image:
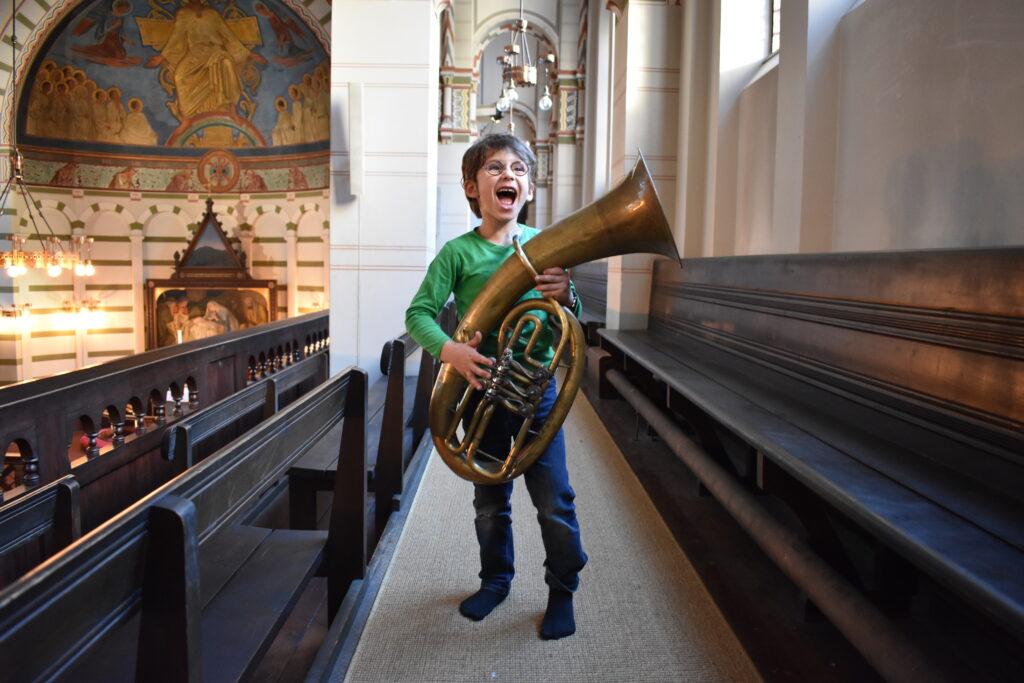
[(628, 219)]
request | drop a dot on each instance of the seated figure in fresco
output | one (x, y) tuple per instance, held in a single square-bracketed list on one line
[(136, 129), (205, 59)]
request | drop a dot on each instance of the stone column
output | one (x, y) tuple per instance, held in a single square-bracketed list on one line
[(135, 238), (644, 119), (292, 269)]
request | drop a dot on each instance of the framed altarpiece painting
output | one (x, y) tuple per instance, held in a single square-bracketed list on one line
[(211, 291)]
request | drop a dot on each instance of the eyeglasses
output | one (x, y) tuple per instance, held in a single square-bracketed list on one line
[(497, 168)]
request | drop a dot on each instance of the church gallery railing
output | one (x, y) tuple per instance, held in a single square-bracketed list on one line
[(104, 423)]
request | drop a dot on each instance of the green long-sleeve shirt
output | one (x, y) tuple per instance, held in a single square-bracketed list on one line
[(462, 267)]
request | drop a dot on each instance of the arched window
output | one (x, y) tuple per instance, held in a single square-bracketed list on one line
[(774, 12)]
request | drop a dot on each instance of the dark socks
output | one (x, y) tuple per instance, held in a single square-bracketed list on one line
[(480, 604), (559, 621)]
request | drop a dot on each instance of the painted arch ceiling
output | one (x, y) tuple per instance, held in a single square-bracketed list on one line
[(179, 96)]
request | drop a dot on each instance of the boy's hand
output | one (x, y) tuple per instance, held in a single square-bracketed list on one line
[(466, 360), (554, 283)]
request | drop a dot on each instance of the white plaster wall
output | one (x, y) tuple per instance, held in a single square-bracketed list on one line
[(384, 176), (454, 215), (755, 166), (930, 150), (58, 341), (739, 40)]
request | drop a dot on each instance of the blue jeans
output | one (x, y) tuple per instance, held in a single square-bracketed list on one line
[(547, 481)]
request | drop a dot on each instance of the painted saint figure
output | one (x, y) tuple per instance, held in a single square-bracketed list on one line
[(206, 60), (136, 130)]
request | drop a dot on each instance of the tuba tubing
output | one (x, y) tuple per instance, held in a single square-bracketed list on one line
[(628, 219)]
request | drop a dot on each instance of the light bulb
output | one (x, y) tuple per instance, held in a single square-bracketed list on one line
[(512, 94), (79, 269), (54, 270), (12, 271), (89, 270), (544, 102), (502, 104)]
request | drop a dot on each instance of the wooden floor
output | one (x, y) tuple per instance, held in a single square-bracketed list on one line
[(784, 636)]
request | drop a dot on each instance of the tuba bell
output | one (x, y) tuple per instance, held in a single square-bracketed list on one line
[(628, 219)]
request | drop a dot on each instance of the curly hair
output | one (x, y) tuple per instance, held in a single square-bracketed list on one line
[(474, 158)]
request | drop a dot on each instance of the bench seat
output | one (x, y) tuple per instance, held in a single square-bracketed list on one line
[(859, 455), (242, 615)]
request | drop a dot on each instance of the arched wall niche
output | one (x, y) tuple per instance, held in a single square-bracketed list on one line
[(490, 43)]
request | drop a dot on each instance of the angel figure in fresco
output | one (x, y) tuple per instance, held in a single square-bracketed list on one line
[(204, 55), (107, 22), (292, 50)]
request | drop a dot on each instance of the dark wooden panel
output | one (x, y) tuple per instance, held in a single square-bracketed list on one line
[(42, 414), (886, 387), (591, 280), (926, 331)]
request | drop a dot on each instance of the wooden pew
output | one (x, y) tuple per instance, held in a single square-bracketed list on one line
[(41, 416), (37, 525), (199, 434), (403, 423), (879, 392), (181, 586), (591, 281), (397, 420), (133, 582)]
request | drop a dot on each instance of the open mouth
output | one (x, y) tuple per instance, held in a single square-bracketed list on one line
[(506, 197)]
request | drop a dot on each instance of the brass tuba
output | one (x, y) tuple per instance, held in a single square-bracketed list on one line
[(628, 219)]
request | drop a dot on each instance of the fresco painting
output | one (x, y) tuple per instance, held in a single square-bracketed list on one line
[(148, 81)]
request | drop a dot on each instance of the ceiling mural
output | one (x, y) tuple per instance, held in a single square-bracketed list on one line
[(178, 95)]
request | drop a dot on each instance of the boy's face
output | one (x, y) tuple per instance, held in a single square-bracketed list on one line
[(501, 194)]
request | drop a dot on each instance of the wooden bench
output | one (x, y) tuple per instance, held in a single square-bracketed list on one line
[(199, 434), (877, 391), (181, 586), (397, 420), (133, 581), (591, 282), (35, 526)]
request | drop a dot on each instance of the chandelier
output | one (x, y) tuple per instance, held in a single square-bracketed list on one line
[(518, 70), (55, 256)]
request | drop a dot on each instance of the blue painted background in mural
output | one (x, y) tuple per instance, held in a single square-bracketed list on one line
[(240, 74)]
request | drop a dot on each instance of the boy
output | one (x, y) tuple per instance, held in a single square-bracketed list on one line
[(498, 178)]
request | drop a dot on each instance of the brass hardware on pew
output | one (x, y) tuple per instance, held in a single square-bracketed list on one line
[(629, 219)]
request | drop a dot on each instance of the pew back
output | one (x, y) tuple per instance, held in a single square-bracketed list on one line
[(880, 389), (35, 526), (199, 434), (225, 484), (937, 336), (182, 570), (135, 578)]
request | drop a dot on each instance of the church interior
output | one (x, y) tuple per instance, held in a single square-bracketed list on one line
[(798, 448)]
